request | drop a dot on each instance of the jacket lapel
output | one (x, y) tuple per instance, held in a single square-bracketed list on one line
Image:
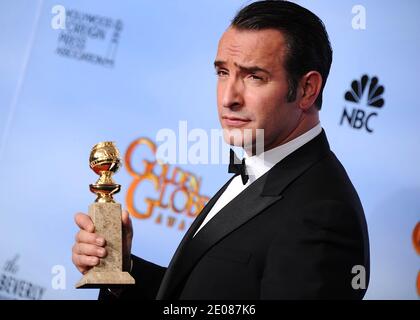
[(253, 200), (188, 235), (295, 164)]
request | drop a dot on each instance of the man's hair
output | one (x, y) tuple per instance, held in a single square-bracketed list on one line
[(307, 40)]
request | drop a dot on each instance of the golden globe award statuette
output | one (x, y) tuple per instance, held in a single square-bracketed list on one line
[(106, 216)]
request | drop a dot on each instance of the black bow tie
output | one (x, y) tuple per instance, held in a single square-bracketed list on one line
[(237, 166)]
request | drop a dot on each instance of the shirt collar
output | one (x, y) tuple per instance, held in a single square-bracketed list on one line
[(258, 165)]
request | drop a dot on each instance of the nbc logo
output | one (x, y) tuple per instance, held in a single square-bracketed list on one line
[(366, 92)]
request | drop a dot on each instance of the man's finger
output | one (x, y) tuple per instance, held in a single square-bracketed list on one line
[(127, 225), (88, 237), (89, 250), (126, 221), (84, 222), (86, 261)]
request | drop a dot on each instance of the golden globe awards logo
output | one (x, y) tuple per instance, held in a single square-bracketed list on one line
[(174, 197), (364, 92)]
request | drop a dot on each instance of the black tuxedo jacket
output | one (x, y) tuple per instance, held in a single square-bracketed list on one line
[(295, 233)]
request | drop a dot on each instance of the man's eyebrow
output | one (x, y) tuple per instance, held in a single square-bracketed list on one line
[(219, 63), (248, 69)]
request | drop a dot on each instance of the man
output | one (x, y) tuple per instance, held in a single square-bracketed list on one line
[(289, 225)]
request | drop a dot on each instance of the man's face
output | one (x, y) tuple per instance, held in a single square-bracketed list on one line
[(252, 87)]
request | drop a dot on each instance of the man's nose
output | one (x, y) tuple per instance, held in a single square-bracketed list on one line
[(233, 94)]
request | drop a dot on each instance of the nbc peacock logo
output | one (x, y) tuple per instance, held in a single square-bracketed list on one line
[(366, 97)]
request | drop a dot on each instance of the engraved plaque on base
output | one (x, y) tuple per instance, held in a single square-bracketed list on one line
[(106, 216)]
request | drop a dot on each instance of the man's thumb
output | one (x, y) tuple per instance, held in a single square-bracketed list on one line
[(126, 222)]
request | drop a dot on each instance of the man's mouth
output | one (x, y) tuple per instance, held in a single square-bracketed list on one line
[(235, 121)]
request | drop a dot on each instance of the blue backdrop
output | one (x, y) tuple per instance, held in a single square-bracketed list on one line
[(124, 70)]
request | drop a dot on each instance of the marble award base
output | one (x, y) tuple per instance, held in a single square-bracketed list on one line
[(107, 220)]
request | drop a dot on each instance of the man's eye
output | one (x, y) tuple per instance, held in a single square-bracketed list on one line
[(221, 73), (254, 77)]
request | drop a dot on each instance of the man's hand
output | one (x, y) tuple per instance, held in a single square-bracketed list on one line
[(90, 247)]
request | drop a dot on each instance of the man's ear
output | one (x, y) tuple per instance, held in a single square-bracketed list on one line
[(309, 87)]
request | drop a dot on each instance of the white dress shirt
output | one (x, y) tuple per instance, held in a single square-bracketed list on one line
[(256, 166)]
